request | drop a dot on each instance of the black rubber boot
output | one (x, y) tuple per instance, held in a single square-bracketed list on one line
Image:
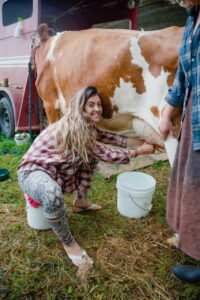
[(187, 273)]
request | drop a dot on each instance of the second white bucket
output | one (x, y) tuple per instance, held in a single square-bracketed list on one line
[(134, 194), (36, 218)]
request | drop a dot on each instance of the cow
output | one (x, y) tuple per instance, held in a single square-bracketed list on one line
[(132, 70)]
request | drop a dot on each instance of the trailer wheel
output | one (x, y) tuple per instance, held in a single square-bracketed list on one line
[(7, 120)]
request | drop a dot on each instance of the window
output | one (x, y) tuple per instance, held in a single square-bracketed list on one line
[(14, 9)]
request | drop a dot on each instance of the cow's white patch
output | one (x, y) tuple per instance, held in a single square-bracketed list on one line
[(129, 101), (52, 46), (139, 105), (61, 103), (57, 104)]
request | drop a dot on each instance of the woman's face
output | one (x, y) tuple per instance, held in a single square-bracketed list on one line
[(93, 108), (189, 4)]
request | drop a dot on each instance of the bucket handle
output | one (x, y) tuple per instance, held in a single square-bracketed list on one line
[(138, 205)]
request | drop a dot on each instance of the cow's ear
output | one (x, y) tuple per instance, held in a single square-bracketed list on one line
[(107, 106)]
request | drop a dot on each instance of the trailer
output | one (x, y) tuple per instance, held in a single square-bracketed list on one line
[(20, 107)]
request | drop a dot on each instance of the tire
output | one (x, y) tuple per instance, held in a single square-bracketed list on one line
[(7, 120)]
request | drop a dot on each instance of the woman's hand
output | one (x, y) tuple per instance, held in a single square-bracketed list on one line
[(144, 149)]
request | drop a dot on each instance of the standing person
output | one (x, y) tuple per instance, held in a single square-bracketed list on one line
[(183, 202), (63, 157)]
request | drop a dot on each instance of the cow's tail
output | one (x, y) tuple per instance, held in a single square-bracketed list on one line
[(44, 32)]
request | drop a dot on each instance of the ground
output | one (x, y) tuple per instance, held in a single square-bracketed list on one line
[(132, 259)]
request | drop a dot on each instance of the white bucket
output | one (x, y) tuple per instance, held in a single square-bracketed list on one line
[(36, 218), (134, 194), (22, 138)]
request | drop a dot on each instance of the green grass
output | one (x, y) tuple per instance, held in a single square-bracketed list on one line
[(132, 259)]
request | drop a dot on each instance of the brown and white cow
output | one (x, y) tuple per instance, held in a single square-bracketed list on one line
[(132, 70)]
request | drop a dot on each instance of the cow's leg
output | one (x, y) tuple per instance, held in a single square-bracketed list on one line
[(48, 93), (51, 113)]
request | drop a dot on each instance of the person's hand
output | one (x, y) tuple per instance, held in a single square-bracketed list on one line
[(144, 149), (166, 127)]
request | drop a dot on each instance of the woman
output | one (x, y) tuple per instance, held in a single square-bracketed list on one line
[(63, 157), (183, 205)]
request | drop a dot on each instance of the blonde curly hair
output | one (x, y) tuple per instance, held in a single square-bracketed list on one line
[(75, 131)]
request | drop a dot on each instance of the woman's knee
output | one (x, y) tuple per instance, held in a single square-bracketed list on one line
[(53, 199)]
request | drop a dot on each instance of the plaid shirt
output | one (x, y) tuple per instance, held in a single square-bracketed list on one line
[(188, 76), (71, 175)]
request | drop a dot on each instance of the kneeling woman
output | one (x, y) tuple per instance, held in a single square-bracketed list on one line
[(63, 158)]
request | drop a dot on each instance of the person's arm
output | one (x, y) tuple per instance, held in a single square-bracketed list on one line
[(174, 99), (144, 149), (111, 138), (176, 93), (116, 156), (118, 139)]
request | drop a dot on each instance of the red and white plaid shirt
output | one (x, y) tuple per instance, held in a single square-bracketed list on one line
[(69, 174)]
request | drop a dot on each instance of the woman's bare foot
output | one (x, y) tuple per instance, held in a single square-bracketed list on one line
[(85, 204), (77, 254)]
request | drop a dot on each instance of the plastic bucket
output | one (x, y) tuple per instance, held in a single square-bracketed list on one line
[(36, 218), (22, 138), (134, 194)]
